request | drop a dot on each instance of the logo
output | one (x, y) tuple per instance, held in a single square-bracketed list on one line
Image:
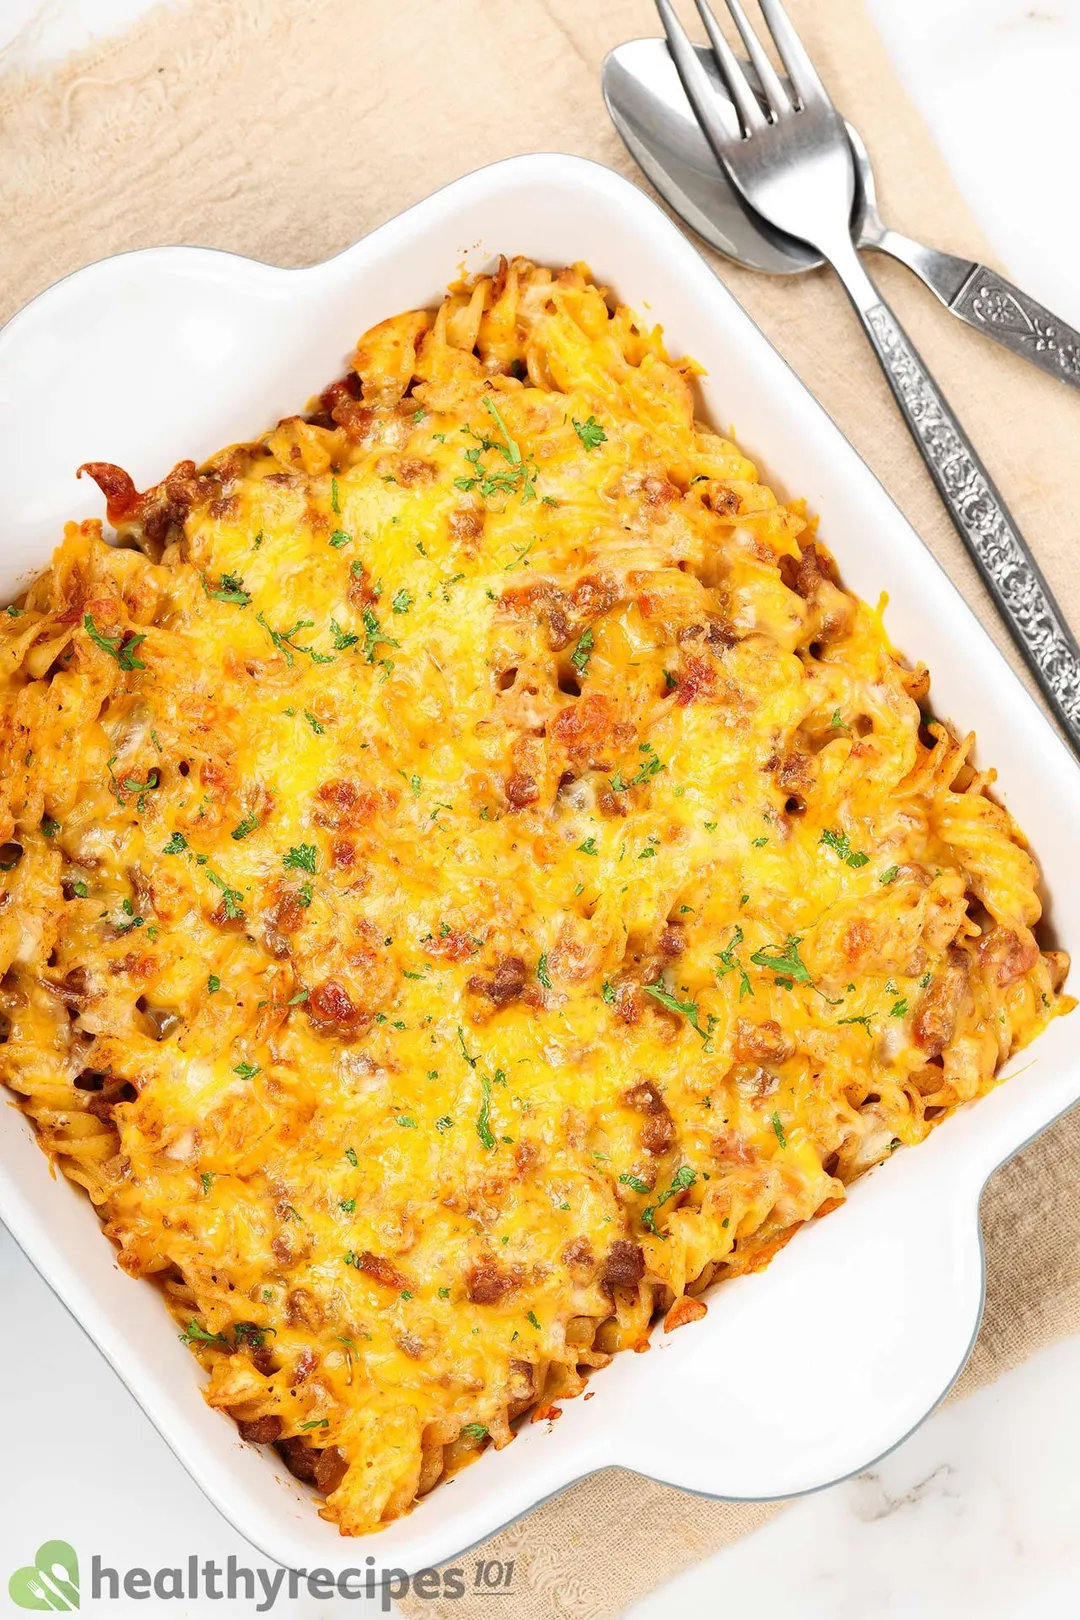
[(50, 1582)]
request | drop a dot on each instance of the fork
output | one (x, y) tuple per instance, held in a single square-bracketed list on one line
[(791, 162)]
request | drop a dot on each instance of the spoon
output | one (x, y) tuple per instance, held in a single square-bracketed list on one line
[(648, 107)]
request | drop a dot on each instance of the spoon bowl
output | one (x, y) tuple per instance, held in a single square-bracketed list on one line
[(648, 107)]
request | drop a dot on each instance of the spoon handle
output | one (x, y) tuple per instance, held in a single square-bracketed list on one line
[(985, 524), (985, 300)]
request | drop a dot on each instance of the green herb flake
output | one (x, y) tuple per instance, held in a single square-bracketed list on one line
[(232, 899), (300, 858), (683, 1179), (899, 1009), (889, 875), (350, 1154), (343, 639), (195, 1333), (340, 538), (246, 1071), (121, 647), (784, 960), (542, 972), (634, 1183), (589, 432), (588, 847), (688, 1009), (213, 984), (483, 1118), (779, 1129), (729, 963), (838, 843), (246, 826), (231, 589), (401, 601), (583, 651)]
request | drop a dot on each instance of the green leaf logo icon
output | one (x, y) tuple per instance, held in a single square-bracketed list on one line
[(50, 1582)]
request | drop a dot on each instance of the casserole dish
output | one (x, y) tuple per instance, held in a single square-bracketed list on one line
[(857, 1329)]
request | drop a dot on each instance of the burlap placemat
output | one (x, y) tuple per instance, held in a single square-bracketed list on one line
[(285, 129)]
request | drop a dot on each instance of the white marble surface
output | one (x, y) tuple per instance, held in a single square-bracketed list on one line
[(980, 1510)]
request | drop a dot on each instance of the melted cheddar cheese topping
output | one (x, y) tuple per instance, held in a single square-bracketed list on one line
[(472, 877)]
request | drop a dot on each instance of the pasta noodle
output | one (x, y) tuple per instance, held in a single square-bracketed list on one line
[(473, 878)]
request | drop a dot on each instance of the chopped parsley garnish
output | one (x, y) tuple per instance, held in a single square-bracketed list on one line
[(348, 1205), (406, 1122), (121, 647), (634, 1183), (176, 845), (838, 843), (651, 766), (374, 634), (862, 1019), (316, 725), (352, 1259), (779, 1129), (195, 1333), (589, 432), (246, 1071), (520, 476), (588, 847), (316, 1423), (531, 1319), (401, 601), (339, 538), (213, 984), (232, 898), (837, 723), (542, 972), (207, 1179), (607, 991), (483, 1125), (583, 651), (335, 503), (342, 638), (729, 963), (688, 1009), (683, 1179), (899, 1008), (248, 825), (784, 960), (475, 1431), (232, 589), (889, 875), (283, 641), (444, 1123), (79, 889), (301, 858), (50, 827), (350, 1154)]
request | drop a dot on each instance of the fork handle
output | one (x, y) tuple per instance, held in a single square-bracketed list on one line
[(986, 526), (989, 303)]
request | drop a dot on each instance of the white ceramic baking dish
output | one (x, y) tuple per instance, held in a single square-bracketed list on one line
[(799, 1375)]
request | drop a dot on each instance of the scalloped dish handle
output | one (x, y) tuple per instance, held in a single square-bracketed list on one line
[(834, 1353)]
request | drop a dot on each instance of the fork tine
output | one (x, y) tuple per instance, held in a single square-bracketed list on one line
[(738, 85), (800, 70), (769, 79), (713, 114)]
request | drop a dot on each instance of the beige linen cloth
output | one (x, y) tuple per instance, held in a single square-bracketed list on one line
[(285, 129)]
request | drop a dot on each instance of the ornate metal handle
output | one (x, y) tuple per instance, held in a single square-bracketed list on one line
[(993, 305), (988, 302), (986, 527)]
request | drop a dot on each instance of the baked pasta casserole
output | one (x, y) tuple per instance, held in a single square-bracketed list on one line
[(473, 878)]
